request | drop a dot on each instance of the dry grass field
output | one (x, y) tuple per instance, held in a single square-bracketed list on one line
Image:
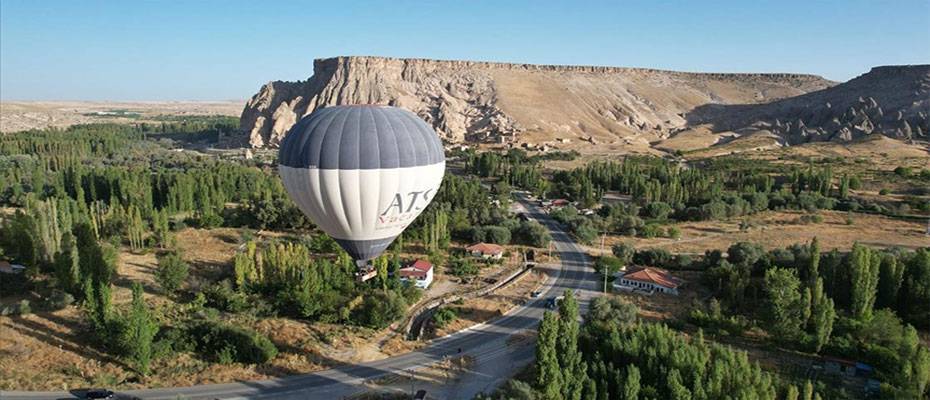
[(779, 229), (18, 116)]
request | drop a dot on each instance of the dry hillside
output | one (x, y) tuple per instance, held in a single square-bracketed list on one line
[(516, 103)]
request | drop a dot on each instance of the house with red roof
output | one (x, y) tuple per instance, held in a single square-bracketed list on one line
[(486, 251), (420, 273), (649, 279)]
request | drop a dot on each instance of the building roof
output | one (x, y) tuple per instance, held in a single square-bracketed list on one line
[(486, 248), (654, 276), (418, 268)]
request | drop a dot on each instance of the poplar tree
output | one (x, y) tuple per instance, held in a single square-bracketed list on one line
[(549, 379), (822, 316), (890, 278), (570, 362), (864, 266), (139, 332), (812, 270), (784, 302), (67, 265), (631, 384)]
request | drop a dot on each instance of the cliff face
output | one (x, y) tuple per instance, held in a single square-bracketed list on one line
[(892, 100), (516, 103)]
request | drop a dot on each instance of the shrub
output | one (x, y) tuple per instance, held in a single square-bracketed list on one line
[(172, 272), (673, 232), (214, 339), (210, 220), (884, 192), (21, 308), (463, 267), (903, 171), (624, 252), (379, 309), (443, 316), (651, 231), (24, 307), (653, 257), (221, 296), (59, 300)]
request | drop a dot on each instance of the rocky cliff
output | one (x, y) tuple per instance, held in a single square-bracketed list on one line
[(517, 103), (892, 100)]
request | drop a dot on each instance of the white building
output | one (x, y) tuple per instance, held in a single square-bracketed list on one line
[(649, 280), (486, 251), (420, 273)]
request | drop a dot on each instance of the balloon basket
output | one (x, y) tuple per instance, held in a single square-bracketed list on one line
[(365, 271)]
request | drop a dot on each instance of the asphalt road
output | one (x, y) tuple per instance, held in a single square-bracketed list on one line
[(495, 359)]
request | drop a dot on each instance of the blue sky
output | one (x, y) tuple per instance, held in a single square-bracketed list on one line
[(217, 50)]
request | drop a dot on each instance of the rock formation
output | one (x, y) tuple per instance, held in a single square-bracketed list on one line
[(892, 100), (481, 102)]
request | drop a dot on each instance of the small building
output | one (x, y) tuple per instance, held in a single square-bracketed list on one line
[(8, 268), (420, 273), (648, 279), (486, 251)]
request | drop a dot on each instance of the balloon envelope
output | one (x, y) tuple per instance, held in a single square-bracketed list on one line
[(362, 173)]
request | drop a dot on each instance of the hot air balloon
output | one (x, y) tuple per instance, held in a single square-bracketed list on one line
[(361, 173)]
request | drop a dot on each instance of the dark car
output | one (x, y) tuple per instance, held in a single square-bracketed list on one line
[(99, 394), (421, 395)]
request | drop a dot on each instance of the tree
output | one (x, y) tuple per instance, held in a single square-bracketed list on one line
[(67, 265), (497, 234), (792, 393), (915, 291), (160, 229), (172, 272), (532, 233), (864, 265), (607, 265), (135, 228), (783, 302), (808, 391), (811, 269), (745, 254), (822, 315), (574, 370), (139, 332), (890, 278), (548, 374), (677, 390), (657, 210), (624, 252), (631, 384)]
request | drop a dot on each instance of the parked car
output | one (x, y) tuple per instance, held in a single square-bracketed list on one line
[(536, 294), (421, 395)]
